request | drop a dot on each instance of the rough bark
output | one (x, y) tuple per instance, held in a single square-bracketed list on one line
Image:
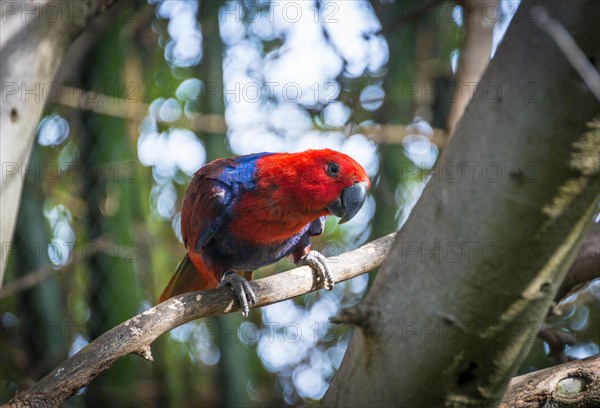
[(472, 275), (574, 384), (33, 40), (136, 334)]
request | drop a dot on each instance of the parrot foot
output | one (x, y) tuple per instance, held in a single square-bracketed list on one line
[(318, 263), (241, 288)]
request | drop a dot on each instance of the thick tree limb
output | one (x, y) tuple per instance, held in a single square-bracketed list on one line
[(136, 334), (574, 384), (33, 41), (460, 319)]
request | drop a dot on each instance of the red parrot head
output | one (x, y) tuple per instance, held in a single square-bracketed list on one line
[(321, 182)]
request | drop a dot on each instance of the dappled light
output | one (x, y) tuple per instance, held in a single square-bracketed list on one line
[(171, 85)]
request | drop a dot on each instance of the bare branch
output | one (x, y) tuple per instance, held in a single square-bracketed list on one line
[(31, 279), (586, 266), (557, 339), (136, 111), (587, 295), (474, 57), (136, 334), (395, 134), (569, 47), (574, 384)]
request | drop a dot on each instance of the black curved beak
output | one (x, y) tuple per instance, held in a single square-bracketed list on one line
[(349, 202)]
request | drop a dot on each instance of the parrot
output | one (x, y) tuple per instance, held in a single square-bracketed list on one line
[(244, 212)]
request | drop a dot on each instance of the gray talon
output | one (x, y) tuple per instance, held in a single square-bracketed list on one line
[(241, 288), (318, 263)]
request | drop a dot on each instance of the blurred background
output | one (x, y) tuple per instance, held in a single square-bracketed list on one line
[(166, 86)]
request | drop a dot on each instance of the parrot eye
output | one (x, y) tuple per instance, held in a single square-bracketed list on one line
[(333, 169)]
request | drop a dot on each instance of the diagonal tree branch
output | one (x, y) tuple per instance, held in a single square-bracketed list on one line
[(31, 279), (474, 56), (136, 334), (569, 47), (586, 266)]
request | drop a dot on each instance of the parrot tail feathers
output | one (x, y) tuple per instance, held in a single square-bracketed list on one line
[(187, 279)]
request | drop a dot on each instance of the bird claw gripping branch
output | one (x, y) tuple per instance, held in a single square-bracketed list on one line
[(245, 212), (241, 288), (318, 263)]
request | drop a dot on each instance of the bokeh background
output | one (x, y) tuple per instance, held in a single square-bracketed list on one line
[(166, 86)]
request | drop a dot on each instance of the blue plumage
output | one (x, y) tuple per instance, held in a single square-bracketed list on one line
[(235, 177)]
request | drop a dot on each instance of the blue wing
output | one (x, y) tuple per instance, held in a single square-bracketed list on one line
[(221, 181)]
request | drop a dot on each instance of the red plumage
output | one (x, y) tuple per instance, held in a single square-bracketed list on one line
[(248, 211)]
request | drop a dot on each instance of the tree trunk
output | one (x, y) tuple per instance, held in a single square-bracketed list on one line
[(472, 275), (33, 41)]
